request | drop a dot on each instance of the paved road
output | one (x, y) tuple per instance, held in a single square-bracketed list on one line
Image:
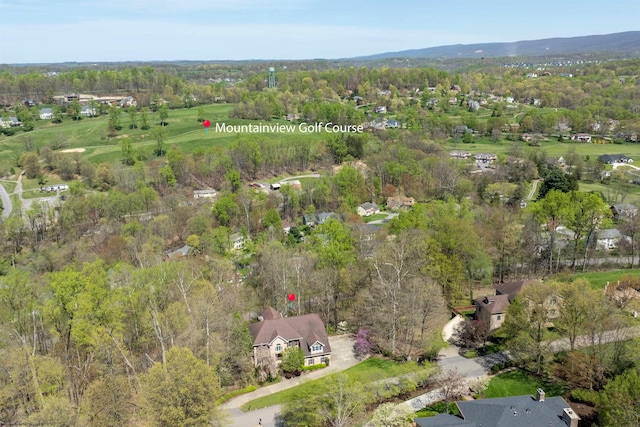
[(7, 207), (534, 187), (342, 357)]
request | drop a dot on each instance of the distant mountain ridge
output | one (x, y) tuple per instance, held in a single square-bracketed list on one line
[(626, 43)]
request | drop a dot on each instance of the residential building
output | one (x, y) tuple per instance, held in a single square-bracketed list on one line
[(88, 111), (368, 209), (609, 159), (457, 154), (237, 241), (608, 239), (392, 124), (486, 157), (400, 202), (623, 211), (515, 411), (491, 310), (380, 109), (277, 333), (46, 114), (129, 101), (581, 137), (178, 253), (204, 194)]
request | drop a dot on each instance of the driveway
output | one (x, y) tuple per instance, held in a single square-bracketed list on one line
[(342, 357), (7, 207)]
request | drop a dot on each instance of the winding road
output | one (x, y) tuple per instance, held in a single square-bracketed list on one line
[(7, 206)]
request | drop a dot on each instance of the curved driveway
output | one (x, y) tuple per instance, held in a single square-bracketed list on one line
[(7, 207)]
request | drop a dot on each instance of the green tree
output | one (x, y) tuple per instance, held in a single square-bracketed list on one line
[(160, 135), (292, 360), (31, 164), (182, 392), (552, 210), (225, 209), (163, 113), (76, 110), (619, 404), (144, 119), (556, 179), (128, 157), (133, 117)]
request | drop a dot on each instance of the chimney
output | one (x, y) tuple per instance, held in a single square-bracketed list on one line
[(570, 418), (540, 395), (486, 299)]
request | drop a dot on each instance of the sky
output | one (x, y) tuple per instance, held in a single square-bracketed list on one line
[(53, 31)]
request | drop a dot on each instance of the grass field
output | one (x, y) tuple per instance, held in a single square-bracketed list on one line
[(599, 279), (183, 129), (366, 372), (517, 383)]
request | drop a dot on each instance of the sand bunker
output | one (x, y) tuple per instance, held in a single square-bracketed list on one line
[(74, 150)]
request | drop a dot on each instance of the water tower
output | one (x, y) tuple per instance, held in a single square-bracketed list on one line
[(272, 78)]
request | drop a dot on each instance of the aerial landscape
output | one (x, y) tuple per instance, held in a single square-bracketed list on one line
[(303, 214)]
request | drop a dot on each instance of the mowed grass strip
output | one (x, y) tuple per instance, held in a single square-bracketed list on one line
[(599, 279), (366, 372), (518, 383)]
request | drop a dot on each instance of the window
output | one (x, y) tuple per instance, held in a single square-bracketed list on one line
[(499, 317), (553, 300), (316, 347), (311, 361), (278, 348), (552, 312)]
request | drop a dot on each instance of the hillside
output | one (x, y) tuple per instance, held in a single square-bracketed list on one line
[(627, 44)]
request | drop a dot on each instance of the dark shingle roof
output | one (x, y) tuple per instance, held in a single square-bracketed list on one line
[(511, 289), (516, 411), (444, 420), (495, 303)]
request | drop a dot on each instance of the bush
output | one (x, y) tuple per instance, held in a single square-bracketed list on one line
[(314, 367), (235, 393), (470, 354), (589, 397)]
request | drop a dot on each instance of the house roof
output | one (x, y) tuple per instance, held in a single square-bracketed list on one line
[(610, 233), (516, 411), (612, 158), (622, 207), (444, 420), (494, 303), (511, 289), (307, 328), (368, 205), (46, 111)]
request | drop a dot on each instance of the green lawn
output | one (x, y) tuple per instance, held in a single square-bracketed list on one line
[(10, 186), (599, 279), (366, 372), (375, 217), (518, 382), (183, 128)]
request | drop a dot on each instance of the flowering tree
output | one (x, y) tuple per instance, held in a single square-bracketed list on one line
[(362, 346)]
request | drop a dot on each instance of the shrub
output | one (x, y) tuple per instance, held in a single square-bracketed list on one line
[(235, 393), (589, 397), (470, 354), (314, 367)]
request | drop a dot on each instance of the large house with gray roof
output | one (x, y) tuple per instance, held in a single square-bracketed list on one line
[(276, 333), (515, 411)]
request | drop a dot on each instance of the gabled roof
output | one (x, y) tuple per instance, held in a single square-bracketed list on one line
[(516, 411), (368, 205), (308, 329), (511, 289), (496, 304)]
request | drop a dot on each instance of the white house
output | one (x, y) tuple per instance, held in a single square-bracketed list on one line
[(46, 114)]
